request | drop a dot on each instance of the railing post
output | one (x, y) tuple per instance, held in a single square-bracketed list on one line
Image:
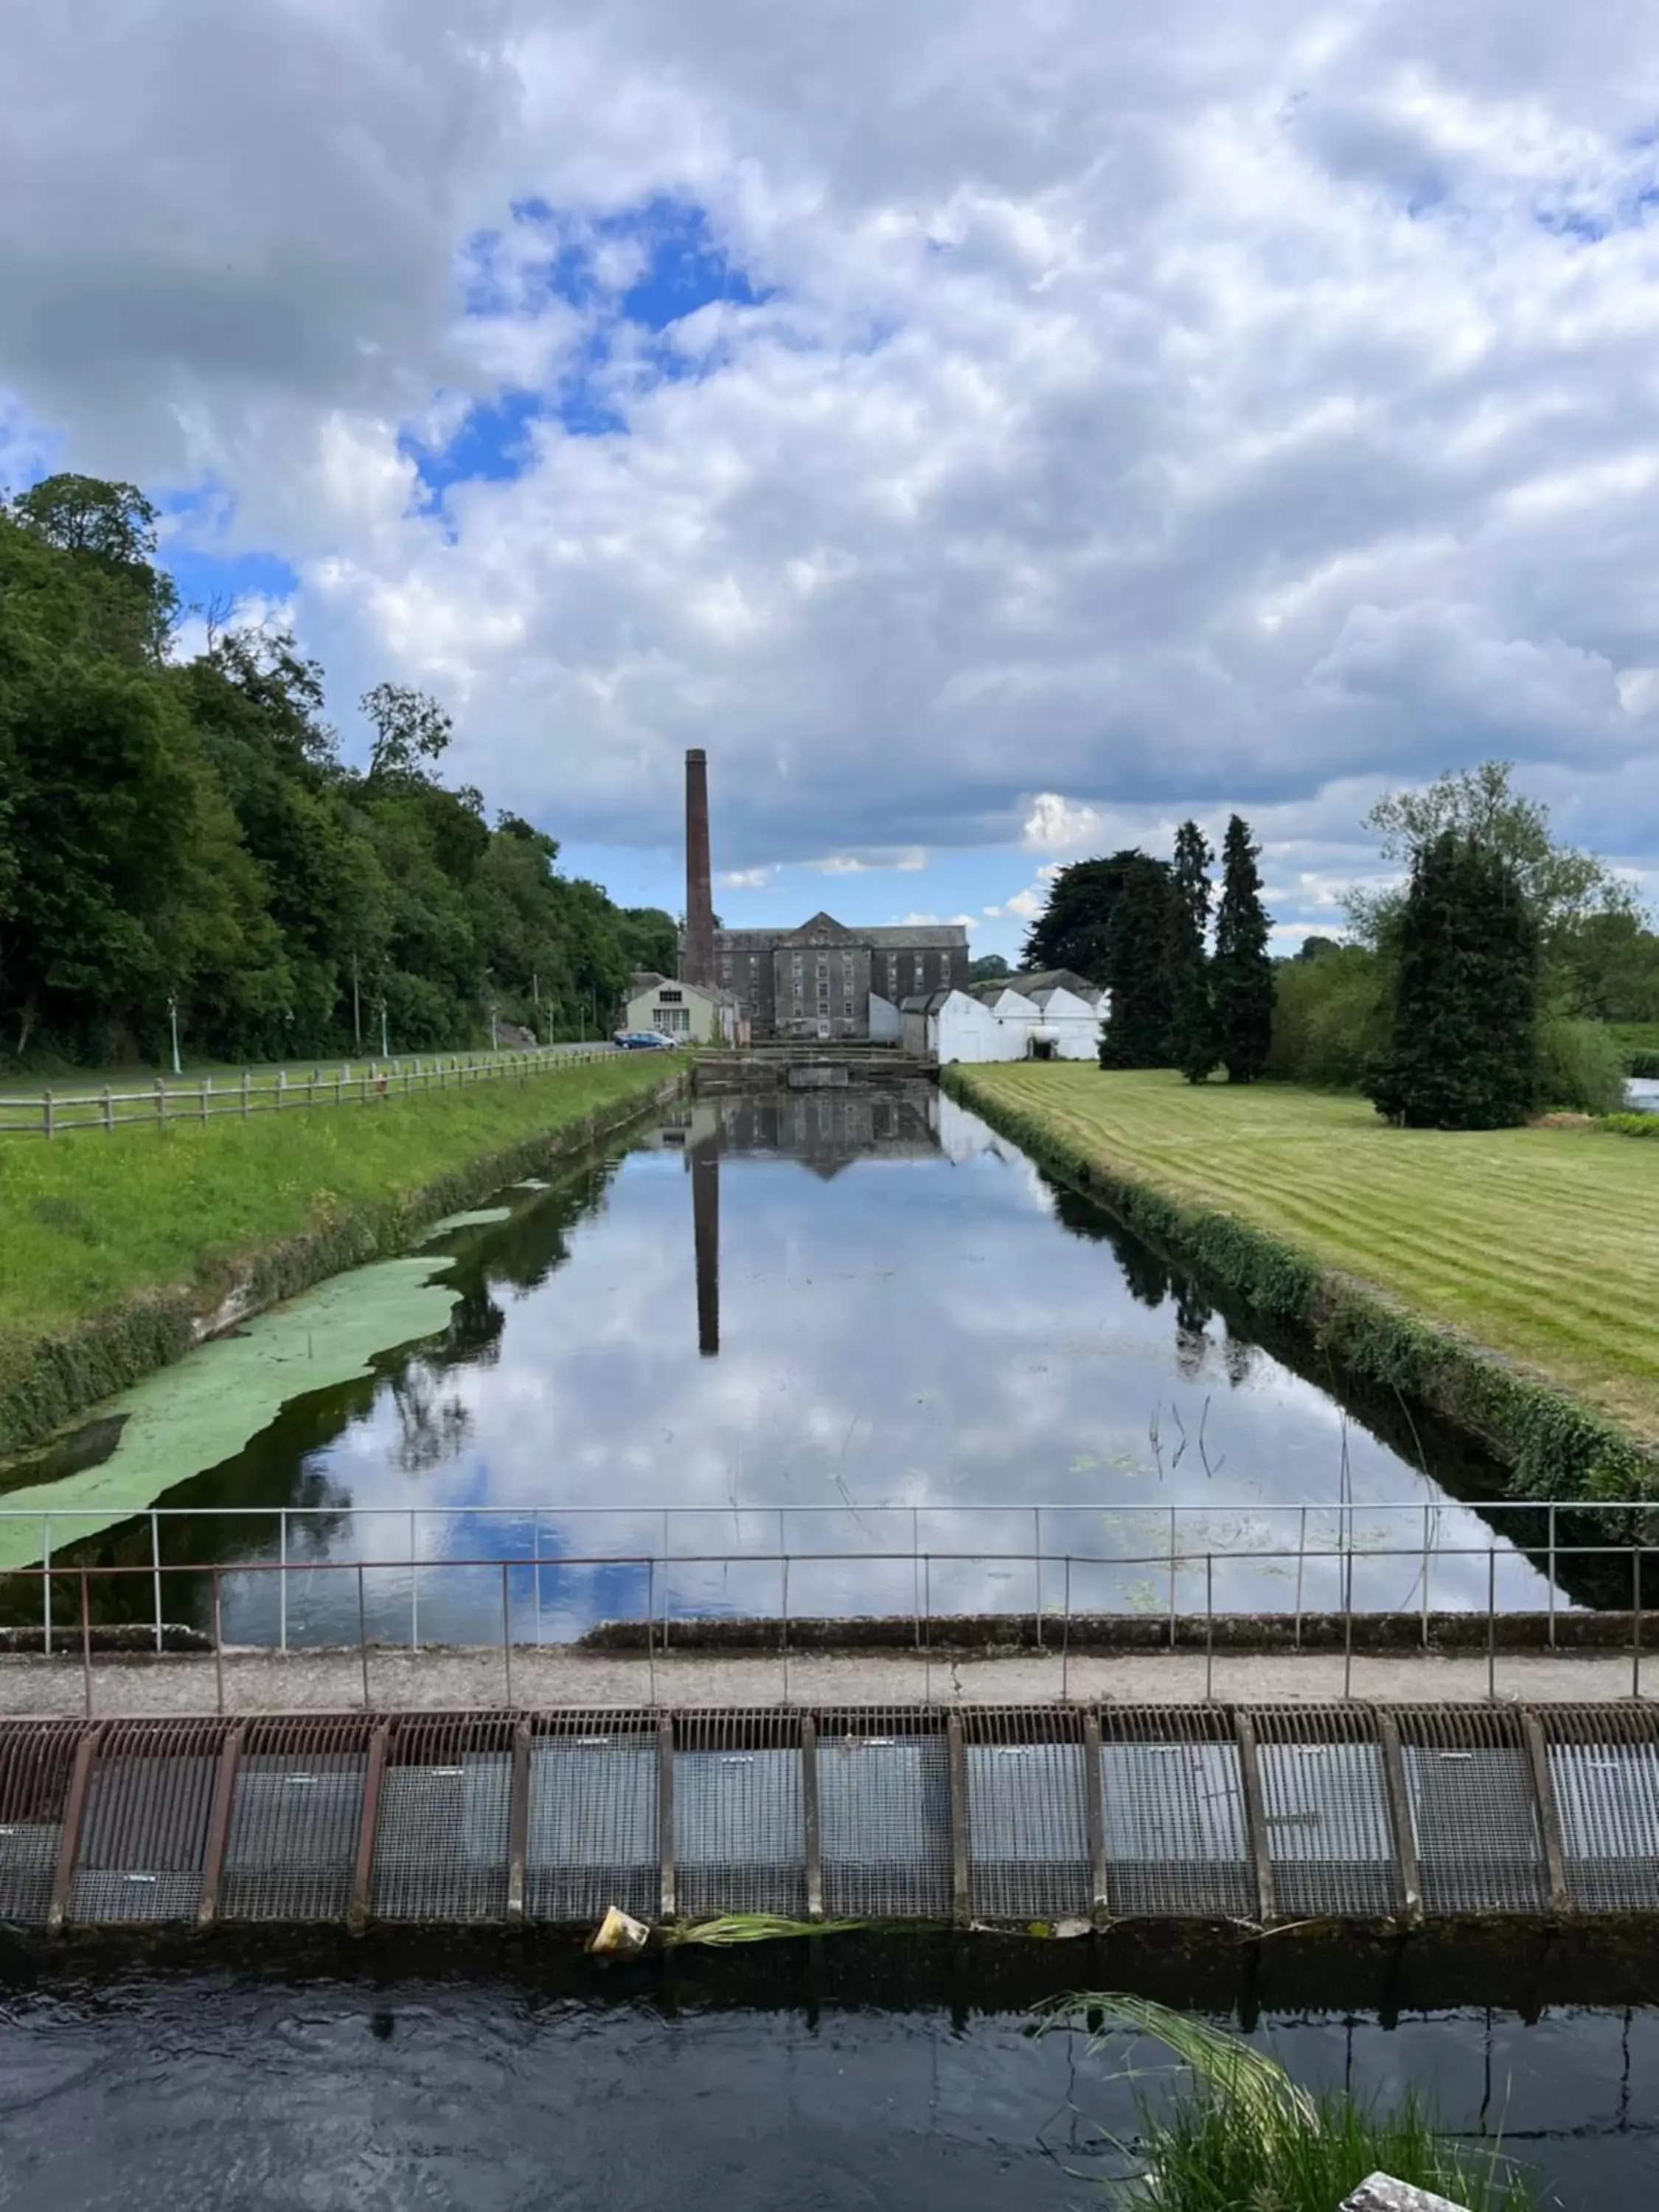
[(957, 1752), (247, 1086), (69, 1841), (518, 1822), (160, 1101), (224, 1798), (282, 1085), (1552, 1574), (207, 1093), (46, 1583), (1256, 1817), (218, 1646), (1549, 1816), (1399, 1816), (362, 1880), (86, 1643), (155, 1570), (507, 1638), (667, 1897), (1094, 1819), (1492, 1621), (812, 1831), (362, 1634), (281, 1580), (46, 1108), (109, 1110)]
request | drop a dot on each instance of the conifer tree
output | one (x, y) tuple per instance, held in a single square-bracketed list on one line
[(1136, 966), (1242, 974), (1194, 1045), (1463, 1054)]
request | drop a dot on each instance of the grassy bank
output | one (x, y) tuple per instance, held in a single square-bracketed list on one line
[(1414, 1255), (113, 1249)]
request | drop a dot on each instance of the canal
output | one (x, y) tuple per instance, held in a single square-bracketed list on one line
[(835, 1353), (872, 2075)]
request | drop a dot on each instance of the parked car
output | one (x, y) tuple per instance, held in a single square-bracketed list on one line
[(645, 1041)]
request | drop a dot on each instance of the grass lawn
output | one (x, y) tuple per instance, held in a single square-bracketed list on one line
[(89, 1219), (1542, 1244)]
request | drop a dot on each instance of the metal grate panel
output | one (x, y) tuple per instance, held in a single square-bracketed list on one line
[(145, 1835), (291, 1851), (1604, 1769), (739, 1820), (1177, 1842), (1325, 1806), (1473, 1810), (1027, 1841), (885, 1810), (36, 1761), (440, 1839), (592, 1832)]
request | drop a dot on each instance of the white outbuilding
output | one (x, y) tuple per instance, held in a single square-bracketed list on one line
[(1017, 1019)]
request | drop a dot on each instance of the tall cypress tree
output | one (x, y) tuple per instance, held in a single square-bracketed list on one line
[(1242, 973), (1136, 1030), (1194, 1045), (1464, 1050)]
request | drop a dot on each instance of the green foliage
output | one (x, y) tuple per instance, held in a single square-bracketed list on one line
[(1463, 1048), (1194, 1039), (990, 968), (1330, 1018), (1136, 964), (1628, 1125), (188, 832), (1563, 888), (1581, 1069), (1239, 2132), (1316, 948), (1071, 930), (1242, 974)]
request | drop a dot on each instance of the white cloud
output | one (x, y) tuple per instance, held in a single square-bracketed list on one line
[(744, 879), (1150, 425), (1026, 904), (907, 861), (933, 920)]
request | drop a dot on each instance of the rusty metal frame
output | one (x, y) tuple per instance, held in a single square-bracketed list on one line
[(224, 1797), (811, 1825)]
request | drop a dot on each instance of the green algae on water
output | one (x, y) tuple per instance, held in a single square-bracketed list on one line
[(200, 1412)]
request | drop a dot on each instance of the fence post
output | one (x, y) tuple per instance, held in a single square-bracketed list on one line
[(207, 1091), (161, 1100), (156, 1569), (247, 1086), (282, 1085), (109, 1110), (46, 1108)]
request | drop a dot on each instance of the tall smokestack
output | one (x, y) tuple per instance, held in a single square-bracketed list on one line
[(697, 965)]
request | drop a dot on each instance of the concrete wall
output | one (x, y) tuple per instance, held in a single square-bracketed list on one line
[(886, 1023)]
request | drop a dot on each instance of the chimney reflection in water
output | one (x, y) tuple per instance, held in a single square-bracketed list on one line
[(705, 1156)]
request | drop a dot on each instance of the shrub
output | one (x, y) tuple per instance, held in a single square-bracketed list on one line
[(1580, 1067), (1628, 1125), (1329, 1019)]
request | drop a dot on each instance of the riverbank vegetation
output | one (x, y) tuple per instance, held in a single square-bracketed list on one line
[(115, 1247), (1234, 2130), (1540, 1245), (181, 836)]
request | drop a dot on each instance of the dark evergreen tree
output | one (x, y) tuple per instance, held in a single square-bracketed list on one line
[(1463, 1052), (1194, 1046), (1070, 931), (1136, 1029), (1242, 974)]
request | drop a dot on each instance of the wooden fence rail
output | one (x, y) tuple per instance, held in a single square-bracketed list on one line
[(350, 1084)]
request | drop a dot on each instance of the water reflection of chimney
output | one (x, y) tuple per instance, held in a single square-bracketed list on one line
[(706, 1234)]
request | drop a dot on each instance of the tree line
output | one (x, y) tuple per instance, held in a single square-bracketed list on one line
[(183, 836), (1140, 927), (1485, 987)]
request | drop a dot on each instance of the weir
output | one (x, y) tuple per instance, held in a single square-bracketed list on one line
[(1088, 1814)]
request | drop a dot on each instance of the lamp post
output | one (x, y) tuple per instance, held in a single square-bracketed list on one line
[(172, 1015)]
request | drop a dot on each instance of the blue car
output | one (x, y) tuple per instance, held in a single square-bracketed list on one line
[(644, 1041)]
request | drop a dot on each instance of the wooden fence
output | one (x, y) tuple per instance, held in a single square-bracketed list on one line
[(360, 1084)]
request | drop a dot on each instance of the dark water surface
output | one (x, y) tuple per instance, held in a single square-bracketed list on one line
[(219, 2094), (853, 1322)]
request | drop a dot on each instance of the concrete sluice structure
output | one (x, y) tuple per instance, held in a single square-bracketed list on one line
[(948, 1814)]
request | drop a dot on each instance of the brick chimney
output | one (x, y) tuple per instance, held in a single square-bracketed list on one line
[(697, 960)]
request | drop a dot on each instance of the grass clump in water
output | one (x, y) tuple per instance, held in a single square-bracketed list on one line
[(1240, 2136)]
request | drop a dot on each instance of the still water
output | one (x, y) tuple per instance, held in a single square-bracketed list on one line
[(226, 2093), (858, 1328)]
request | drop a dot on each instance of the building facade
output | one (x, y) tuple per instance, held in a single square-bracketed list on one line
[(683, 1010), (825, 981)]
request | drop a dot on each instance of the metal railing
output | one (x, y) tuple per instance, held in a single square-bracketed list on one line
[(363, 1083), (1172, 1543), (657, 1627)]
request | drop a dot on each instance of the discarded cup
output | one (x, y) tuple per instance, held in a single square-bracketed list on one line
[(619, 1935)]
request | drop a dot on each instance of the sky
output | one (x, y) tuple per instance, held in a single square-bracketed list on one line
[(993, 433)]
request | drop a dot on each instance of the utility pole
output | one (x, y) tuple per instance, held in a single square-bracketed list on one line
[(172, 1012)]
